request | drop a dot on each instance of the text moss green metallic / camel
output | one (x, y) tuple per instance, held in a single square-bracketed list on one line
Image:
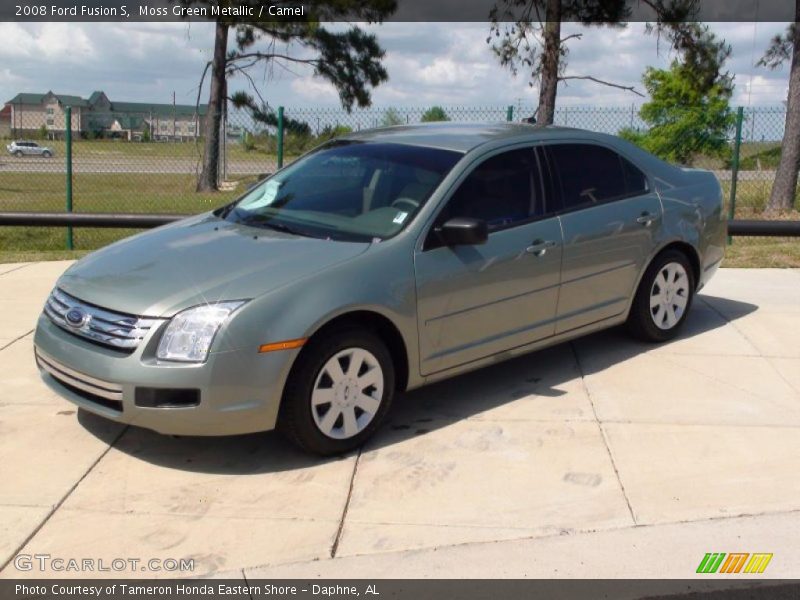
[(378, 263)]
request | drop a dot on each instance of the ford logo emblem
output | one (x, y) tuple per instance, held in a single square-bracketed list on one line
[(76, 317)]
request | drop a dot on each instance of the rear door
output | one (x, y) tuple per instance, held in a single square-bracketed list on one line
[(610, 218), (475, 301)]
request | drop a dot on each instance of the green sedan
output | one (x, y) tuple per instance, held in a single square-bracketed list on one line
[(375, 264)]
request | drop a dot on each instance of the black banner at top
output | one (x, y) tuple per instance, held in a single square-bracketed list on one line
[(406, 10)]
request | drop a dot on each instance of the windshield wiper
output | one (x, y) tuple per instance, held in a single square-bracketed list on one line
[(282, 227)]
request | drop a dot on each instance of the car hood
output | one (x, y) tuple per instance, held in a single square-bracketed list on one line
[(195, 261)]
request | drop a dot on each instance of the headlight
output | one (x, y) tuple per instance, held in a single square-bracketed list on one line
[(189, 334)]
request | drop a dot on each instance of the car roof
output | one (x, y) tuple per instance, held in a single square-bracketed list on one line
[(463, 137)]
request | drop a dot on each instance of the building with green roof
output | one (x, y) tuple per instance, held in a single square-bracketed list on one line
[(98, 116)]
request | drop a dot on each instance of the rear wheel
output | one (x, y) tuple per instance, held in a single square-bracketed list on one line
[(663, 299), (338, 393), (47, 154)]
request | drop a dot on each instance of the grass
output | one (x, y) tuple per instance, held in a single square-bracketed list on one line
[(134, 193), (158, 193), (751, 198), (763, 253), (109, 192), (763, 158)]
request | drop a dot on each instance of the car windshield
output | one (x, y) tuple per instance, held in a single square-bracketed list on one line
[(346, 190)]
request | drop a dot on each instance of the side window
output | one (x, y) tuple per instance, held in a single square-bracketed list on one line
[(590, 174), (503, 190)]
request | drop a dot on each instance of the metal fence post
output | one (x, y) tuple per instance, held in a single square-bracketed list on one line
[(68, 159), (224, 141), (280, 137), (737, 144), (510, 113)]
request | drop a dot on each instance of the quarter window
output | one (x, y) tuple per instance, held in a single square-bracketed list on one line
[(503, 190), (635, 181), (590, 174)]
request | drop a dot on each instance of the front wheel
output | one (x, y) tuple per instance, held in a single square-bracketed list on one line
[(18, 153), (338, 392), (663, 299)]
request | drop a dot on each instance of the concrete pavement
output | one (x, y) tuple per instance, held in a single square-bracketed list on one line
[(600, 458)]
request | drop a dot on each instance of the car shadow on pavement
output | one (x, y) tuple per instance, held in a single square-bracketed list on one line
[(538, 383)]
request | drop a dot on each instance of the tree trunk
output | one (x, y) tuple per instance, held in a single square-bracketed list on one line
[(209, 177), (785, 186), (550, 60)]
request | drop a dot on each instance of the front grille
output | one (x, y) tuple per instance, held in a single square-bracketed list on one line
[(105, 327), (98, 391)]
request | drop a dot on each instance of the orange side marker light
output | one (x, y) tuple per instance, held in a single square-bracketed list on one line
[(284, 345)]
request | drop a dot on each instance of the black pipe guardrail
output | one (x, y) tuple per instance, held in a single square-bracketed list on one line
[(754, 227), (132, 220), (737, 227)]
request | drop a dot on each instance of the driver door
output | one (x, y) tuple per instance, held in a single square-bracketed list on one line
[(479, 300)]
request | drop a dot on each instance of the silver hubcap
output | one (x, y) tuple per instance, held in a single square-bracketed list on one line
[(347, 393), (669, 295)]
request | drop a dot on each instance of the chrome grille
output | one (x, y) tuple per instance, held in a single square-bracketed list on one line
[(92, 386), (109, 328)]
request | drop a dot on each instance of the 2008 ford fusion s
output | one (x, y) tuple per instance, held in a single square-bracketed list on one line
[(379, 263)]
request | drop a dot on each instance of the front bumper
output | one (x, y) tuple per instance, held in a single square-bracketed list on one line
[(240, 390)]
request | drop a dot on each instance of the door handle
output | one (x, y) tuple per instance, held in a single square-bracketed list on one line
[(646, 218), (539, 247)]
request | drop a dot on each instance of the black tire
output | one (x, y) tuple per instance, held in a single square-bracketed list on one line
[(296, 419), (642, 320), (18, 154), (47, 154)]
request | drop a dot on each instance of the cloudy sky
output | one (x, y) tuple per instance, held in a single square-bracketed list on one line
[(442, 63)]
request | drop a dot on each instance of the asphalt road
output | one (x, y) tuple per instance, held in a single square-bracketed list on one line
[(159, 165), (181, 165)]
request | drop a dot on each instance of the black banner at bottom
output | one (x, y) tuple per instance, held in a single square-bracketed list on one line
[(400, 589)]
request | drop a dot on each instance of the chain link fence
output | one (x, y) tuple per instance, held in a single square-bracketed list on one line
[(141, 162)]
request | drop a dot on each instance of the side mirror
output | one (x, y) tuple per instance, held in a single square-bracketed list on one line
[(461, 231)]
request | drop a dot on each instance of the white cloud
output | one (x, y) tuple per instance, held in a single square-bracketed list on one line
[(442, 63), (312, 89), (51, 42)]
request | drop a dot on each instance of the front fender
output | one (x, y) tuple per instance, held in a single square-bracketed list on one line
[(381, 280)]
